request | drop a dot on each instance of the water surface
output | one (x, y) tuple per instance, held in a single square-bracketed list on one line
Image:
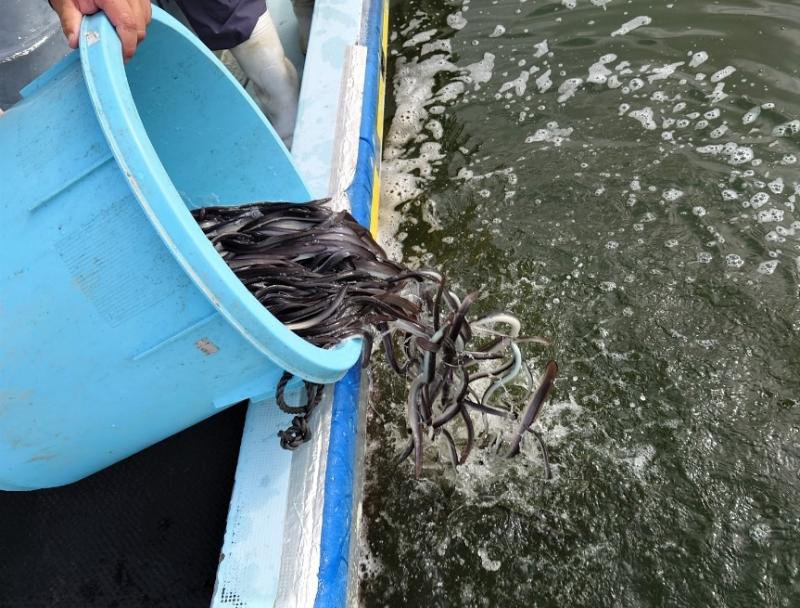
[(630, 193)]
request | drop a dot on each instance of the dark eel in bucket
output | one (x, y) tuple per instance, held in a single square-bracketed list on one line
[(324, 276)]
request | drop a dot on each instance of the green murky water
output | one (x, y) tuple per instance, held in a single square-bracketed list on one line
[(644, 219)]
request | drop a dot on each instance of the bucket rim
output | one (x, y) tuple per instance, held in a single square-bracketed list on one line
[(107, 85)]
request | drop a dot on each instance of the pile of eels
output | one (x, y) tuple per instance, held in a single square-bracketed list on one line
[(324, 276)]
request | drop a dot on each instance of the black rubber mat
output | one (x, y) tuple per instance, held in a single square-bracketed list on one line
[(144, 532)]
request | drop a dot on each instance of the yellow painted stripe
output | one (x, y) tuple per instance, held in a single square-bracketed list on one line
[(376, 176), (376, 195)]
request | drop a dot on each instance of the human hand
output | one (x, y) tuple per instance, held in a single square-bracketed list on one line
[(129, 17)]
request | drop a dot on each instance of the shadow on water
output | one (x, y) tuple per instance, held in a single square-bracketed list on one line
[(644, 219)]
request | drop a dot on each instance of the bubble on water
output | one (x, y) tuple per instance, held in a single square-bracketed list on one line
[(723, 73), (667, 135), (456, 20), (631, 25), (787, 129), (568, 88), (767, 267), (499, 30), (672, 194), (645, 117), (759, 199), (682, 123), (671, 243), (767, 106), (704, 257), (712, 114), (699, 211), (776, 185), (788, 159), (734, 261), (729, 195), (698, 59), (543, 82), (700, 125), (770, 215), (623, 108)]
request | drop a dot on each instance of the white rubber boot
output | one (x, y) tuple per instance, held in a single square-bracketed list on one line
[(274, 78)]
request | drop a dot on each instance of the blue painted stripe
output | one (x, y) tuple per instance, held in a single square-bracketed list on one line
[(337, 514)]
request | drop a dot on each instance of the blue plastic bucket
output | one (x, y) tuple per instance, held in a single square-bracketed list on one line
[(119, 323)]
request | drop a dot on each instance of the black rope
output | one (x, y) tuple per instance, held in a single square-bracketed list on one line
[(298, 432)]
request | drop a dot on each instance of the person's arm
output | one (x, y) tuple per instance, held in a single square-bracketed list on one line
[(130, 18)]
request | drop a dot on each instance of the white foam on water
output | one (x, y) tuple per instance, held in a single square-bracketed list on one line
[(711, 114), (492, 565), (499, 30), (570, 4), (699, 211), (629, 26), (541, 49), (672, 194), (456, 20), (751, 115), (718, 94), (419, 38), (700, 125), (719, 131), (623, 109), (704, 257), (699, 58), (788, 159), (734, 261), (722, 74), (770, 215), (601, 3), (552, 133), (729, 195), (767, 267), (759, 199), (519, 84), (635, 84), (568, 89), (787, 129), (776, 185), (480, 72), (645, 117), (598, 72), (679, 107), (664, 72), (543, 82)]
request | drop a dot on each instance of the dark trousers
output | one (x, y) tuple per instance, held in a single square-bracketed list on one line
[(222, 24)]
